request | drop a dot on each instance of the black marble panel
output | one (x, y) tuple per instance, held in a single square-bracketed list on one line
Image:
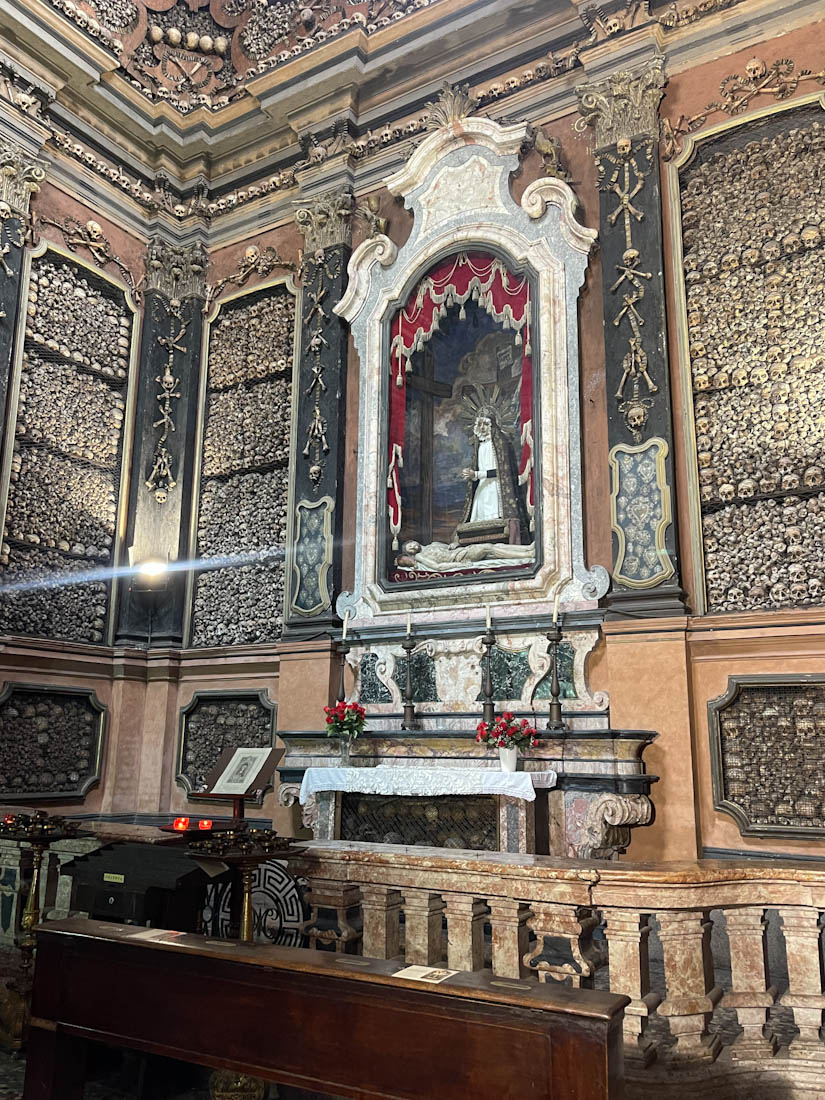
[(313, 581), (638, 387), (162, 469)]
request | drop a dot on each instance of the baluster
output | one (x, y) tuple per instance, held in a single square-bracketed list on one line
[(750, 996), (627, 932), (511, 936), (802, 934), (331, 906), (465, 931), (422, 919), (565, 933), (691, 994), (381, 908)]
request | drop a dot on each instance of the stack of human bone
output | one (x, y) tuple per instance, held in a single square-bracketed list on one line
[(48, 742), (754, 254), (67, 453), (242, 511), (211, 727)]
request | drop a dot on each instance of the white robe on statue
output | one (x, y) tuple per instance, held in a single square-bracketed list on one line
[(487, 497)]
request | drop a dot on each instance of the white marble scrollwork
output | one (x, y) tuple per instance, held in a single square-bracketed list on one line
[(539, 235)]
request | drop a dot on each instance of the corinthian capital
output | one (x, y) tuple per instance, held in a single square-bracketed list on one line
[(326, 219), (624, 106), (20, 177)]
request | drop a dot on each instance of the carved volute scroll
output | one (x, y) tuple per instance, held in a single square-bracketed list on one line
[(538, 240)]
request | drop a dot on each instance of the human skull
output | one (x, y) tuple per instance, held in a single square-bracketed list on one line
[(721, 380), (789, 481), (799, 592), (623, 146), (815, 587), (252, 254), (810, 236), (726, 492), (740, 376), (636, 416), (730, 261), (701, 382), (771, 250), (6, 212), (813, 476), (512, 83), (779, 592), (791, 243), (746, 488), (94, 231)]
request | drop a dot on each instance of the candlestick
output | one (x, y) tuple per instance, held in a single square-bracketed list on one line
[(410, 720), (344, 631), (554, 718), (556, 609), (343, 650), (488, 709), (409, 625), (488, 617)]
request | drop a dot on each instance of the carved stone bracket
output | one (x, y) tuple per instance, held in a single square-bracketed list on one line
[(608, 822), (20, 177), (288, 796)]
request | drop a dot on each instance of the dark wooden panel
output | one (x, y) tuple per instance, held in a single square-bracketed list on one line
[(340, 1024)]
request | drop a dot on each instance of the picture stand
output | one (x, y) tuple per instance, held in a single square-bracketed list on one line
[(238, 774)]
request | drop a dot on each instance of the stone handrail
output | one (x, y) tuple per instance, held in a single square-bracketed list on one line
[(721, 960)]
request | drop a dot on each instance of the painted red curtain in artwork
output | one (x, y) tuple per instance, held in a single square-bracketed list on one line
[(465, 276)]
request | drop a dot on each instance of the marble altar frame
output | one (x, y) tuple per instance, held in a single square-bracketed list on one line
[(540, 237)]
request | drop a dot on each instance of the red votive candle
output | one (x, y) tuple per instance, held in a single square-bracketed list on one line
[(205, 823), (181, 824)]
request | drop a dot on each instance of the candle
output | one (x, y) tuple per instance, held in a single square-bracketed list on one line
[(488, 616), (344, 632), (409, 626), (556, 610)]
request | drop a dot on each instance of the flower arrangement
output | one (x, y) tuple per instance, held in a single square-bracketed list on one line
[(345, 720), (506, 732)]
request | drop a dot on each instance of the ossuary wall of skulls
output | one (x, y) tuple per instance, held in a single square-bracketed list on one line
[(68, 448), (242, 509), (753, 220)]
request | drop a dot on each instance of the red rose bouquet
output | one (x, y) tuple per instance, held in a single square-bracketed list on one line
[(345, 720), (506, 732)]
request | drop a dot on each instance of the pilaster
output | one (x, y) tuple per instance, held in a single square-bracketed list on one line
[(160, 501), (21, 173), (622, 110), (313, 579)]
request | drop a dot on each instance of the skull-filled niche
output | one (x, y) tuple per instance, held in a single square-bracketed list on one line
[(460, 462)]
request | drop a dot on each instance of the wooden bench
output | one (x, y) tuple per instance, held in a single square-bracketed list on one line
[(339, 1024)]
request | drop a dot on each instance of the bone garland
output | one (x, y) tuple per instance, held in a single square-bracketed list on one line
[(255, 261), (161, 480), (737, 91), (632, 163), (89, 236), (316, 446)]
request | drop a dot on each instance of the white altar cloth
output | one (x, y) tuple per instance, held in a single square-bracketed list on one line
[(386, 779)]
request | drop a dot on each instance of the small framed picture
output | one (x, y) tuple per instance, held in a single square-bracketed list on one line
[(239, 775)]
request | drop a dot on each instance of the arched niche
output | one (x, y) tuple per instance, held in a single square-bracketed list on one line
[(516, 273)]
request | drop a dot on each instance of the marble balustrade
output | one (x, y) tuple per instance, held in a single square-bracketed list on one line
[(722, 960)]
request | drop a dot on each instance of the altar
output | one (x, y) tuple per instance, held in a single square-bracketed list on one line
[(482, 807), (579, 793)]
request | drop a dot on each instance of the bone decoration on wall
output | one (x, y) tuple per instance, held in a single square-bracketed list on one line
[(65, 468), (242, 510), (754, 259)]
